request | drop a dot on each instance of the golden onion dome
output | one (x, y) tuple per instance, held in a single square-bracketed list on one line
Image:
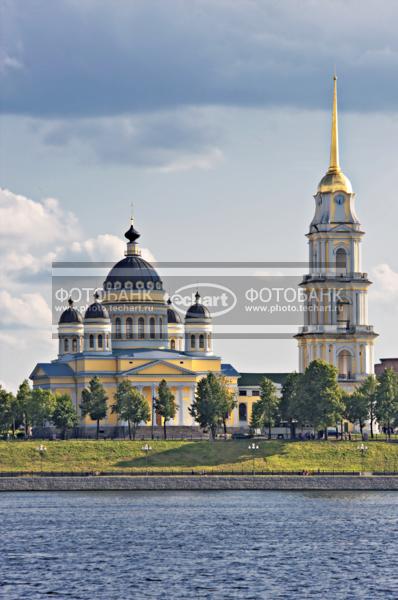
[(335, 181)]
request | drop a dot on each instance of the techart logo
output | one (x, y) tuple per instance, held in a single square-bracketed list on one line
[(218, 299)]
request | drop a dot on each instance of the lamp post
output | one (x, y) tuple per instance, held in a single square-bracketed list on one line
[(363, 450), (147, 448), (42, 452), (253, 447), (153, 417)]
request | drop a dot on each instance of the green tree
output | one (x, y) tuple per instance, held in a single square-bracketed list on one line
[(207, 407), (165, 405), (228, 400), (64, 414), (386, 407), (131, 406), (289, 405), (40, 407), (265, 409), (24, 396), (322, 403), (6, 417), (356, 408), (94, 402), (366, 394)]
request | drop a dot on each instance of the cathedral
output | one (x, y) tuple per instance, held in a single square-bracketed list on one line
[(336, 327), (134, 334)]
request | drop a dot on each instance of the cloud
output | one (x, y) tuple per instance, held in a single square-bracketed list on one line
[(386, 284), (167, 141), (28, 310), (25, 223), (34, 234), (70, 58)]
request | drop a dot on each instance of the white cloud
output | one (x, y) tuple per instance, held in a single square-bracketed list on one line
[(385, 284), (26, 223), (27, 310)]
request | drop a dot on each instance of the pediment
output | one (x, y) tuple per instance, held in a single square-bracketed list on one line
[(158, 367)]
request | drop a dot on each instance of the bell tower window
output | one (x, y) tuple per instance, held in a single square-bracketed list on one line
[(345, 364), (341, 262), (66, 345)]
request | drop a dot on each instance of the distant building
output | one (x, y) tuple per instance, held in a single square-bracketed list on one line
[(386, 363), (249, 392)]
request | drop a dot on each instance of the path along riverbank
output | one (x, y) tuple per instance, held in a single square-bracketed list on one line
[(198, 482)]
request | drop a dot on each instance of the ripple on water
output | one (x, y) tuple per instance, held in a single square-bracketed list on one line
[(216, 545)]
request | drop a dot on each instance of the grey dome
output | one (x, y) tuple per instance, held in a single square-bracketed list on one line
[(133, 272), (96, 311), (197, 310), (70, 315)]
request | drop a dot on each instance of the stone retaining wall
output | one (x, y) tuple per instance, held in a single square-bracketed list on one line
[(101, 483)]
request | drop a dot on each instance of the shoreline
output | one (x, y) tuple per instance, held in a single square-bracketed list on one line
[(199, 482)]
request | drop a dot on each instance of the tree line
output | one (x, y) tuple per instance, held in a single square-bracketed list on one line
[(36, 408), (313, 398)]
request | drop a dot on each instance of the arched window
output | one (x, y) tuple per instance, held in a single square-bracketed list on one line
[(242, 412), (107, 341), (100, 341), (341, 262), (66, 345), (91, 342), (74, 345), (160, 328), (343, 313), (118, 328), (344, 361), (208, 341), (173, 344), (152, 332), (129, 328), (192, 342), (202, 341), (141, 328)]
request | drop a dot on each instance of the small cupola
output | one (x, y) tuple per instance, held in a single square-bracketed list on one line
[(70, 331), (198, 329), (97, 328)]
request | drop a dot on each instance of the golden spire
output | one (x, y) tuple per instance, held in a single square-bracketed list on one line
[(334, 145), (334, 180)]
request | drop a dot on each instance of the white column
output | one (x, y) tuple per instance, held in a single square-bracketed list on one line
[(181, 405), (191, 399)]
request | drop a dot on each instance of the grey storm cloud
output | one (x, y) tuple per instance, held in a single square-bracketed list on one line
[(155, 140), (90, 58)]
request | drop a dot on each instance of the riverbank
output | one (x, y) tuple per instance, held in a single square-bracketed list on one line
[(199, 482), (182, 457)]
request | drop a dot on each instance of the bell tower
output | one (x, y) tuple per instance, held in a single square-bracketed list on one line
[(336, 325)]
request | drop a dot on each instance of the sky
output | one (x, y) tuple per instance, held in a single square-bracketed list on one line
[(213, 118)]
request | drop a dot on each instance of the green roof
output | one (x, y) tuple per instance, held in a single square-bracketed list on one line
[(248, 379)]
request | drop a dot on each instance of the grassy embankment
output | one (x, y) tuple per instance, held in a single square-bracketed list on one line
[(185, 455)]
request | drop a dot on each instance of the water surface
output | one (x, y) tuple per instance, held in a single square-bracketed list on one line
[(115, 545)]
